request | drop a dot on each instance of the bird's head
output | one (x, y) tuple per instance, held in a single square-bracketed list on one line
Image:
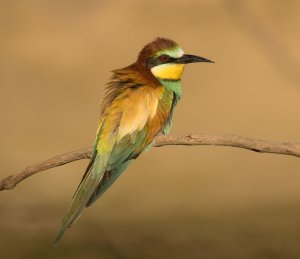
[(166, 59)]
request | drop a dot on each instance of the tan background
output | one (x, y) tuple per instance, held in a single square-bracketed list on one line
[(173, 202)]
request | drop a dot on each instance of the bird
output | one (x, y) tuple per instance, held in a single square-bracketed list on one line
[(138, 105)]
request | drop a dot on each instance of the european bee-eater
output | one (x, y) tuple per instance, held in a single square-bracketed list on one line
[(138, 104)]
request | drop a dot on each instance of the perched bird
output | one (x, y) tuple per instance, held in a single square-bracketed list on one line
[(138, 104)]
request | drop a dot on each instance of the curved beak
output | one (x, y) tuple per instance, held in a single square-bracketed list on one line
[(186, 59)]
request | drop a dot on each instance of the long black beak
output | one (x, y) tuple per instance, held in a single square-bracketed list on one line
[(185, 59)]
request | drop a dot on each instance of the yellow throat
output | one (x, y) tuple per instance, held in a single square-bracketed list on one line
[(169, 71)]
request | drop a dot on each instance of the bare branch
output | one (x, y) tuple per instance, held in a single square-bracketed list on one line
[(292, 149)]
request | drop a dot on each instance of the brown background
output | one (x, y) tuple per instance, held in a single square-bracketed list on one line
[(173, 202)]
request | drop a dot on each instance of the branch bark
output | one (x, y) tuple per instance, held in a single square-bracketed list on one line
[(263, 146)]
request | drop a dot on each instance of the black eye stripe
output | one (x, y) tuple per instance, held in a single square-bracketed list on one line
[(167, 59), (164, 58), (159, 60)]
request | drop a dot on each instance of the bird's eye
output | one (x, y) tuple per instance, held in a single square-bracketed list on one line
[(164, 58)]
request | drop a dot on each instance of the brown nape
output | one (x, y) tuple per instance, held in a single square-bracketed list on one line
[(153, 47)]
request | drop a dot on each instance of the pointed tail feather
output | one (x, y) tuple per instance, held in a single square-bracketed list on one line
[(81, 197), (109, 177)]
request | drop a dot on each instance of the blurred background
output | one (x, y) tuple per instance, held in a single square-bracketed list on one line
[(173, 202)]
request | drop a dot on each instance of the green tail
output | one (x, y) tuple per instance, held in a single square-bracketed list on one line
[(108, 179), (95, 182), (82, 196)]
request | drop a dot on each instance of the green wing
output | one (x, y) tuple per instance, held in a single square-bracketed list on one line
[(121, 157)]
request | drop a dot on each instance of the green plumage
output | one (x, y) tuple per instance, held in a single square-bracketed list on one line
[(173, 86)]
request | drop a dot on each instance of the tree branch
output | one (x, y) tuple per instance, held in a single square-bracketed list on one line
[(292, 149)]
